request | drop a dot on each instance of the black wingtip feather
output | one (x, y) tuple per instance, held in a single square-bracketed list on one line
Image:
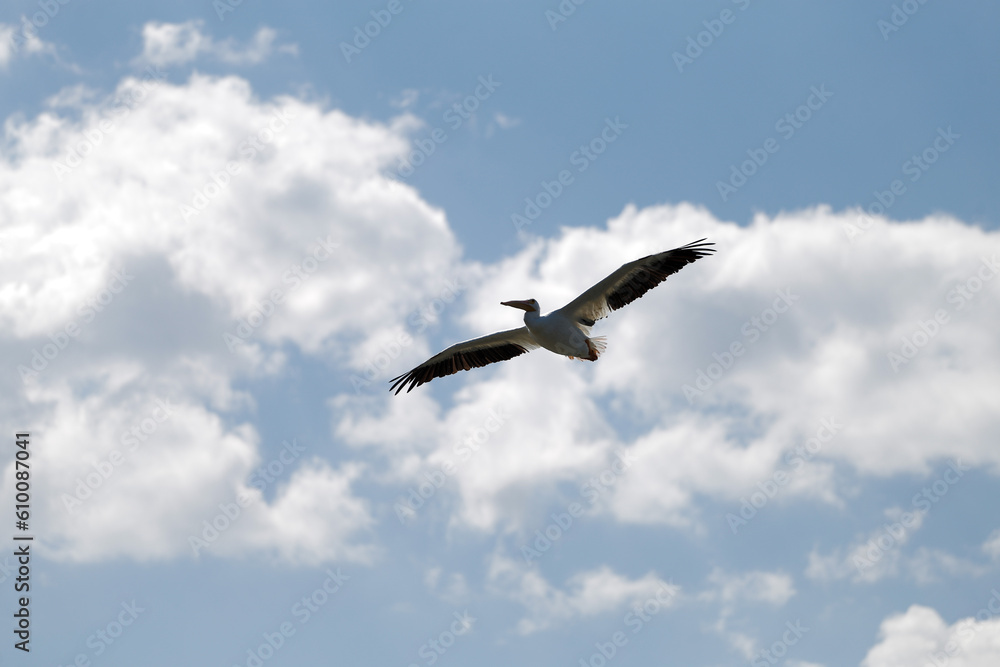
[(654, 269), (460, 361)]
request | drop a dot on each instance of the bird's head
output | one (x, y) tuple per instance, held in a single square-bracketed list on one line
[(528, 306)]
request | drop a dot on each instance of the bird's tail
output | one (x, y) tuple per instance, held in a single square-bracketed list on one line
[(596, 345)]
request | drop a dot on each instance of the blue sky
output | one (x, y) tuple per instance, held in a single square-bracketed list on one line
[(215, 257)]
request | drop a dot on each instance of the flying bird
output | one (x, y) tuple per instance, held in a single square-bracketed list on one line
[(565, 331)]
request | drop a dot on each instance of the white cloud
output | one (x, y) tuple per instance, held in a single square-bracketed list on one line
[(883, 554), (992, 545), (931, 565), (221, 242), (112, 297), (731, 591), (406, 98), (498, 475), (773, 588), (920, 636), (692, 455), (7, 48), (825, 358), (149, 194), (15, 40), (878, 555), (452, 589), (501, 121), (131, 471), (166, 44), (506, 122), (72, 96), (314, 519), (587, 593)]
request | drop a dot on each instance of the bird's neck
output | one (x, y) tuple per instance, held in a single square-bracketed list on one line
[(531, 316)]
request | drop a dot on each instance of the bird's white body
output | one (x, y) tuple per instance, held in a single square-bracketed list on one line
[(558, 333)]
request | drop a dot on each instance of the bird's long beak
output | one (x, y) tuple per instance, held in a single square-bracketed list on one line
[(523, 305)]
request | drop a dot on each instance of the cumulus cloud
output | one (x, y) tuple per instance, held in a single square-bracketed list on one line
[(729, 371), (176, 482), (208, 170), (920, 636), (174, 239), (167, 44), (493, 439), (164, 244)]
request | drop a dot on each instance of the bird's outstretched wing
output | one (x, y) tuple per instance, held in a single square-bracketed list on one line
[(631, 281), (474, 353)]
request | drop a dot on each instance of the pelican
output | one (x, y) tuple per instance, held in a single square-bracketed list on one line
[(565, 331)]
